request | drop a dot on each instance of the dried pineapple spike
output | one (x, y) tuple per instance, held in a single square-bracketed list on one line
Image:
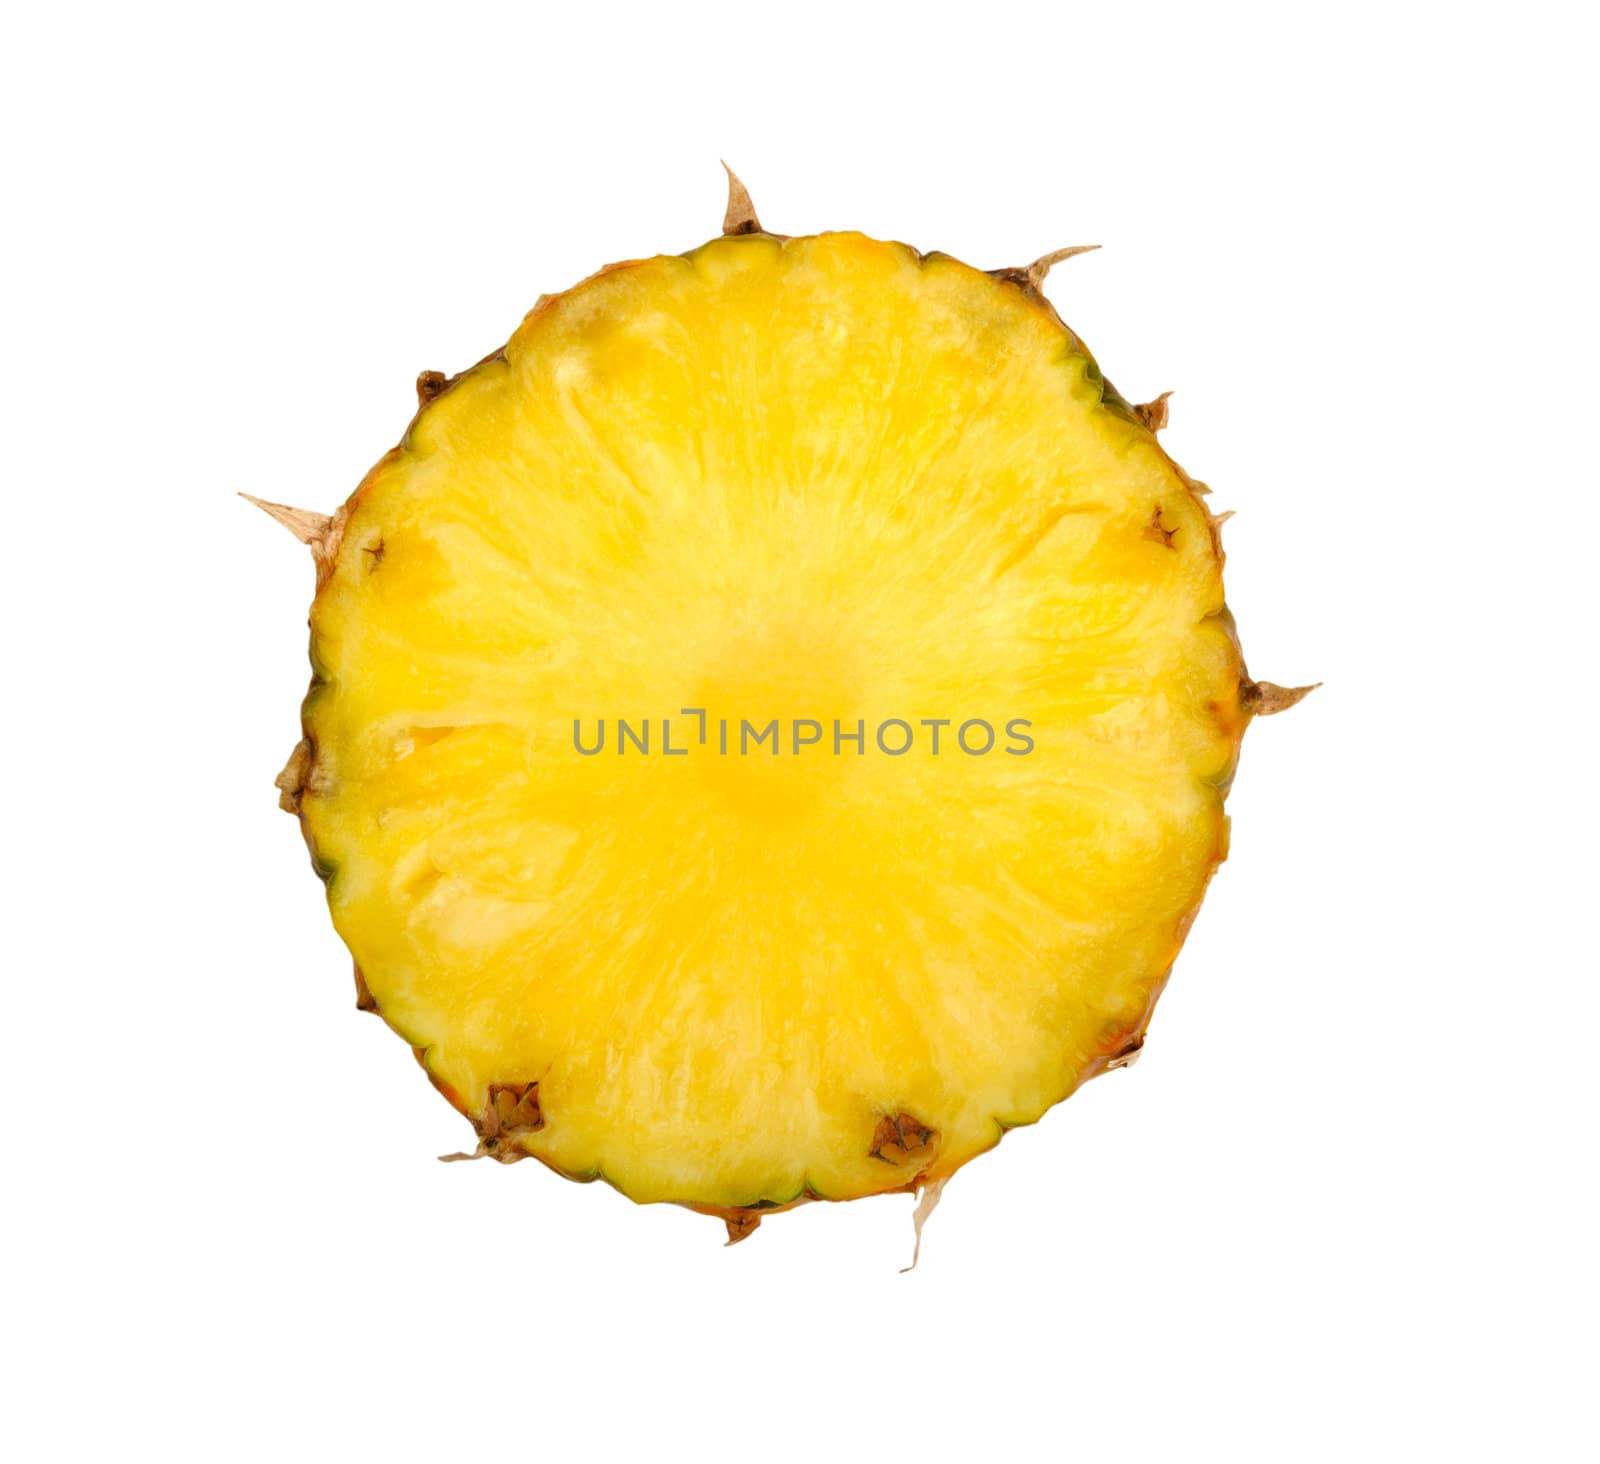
[(1154, 414), (306, 525), (1033, 276), (1042, 266), (365, 1001), (927, 1203), (1263, 699), (740, 217), (291, 782), (1128, 1056)]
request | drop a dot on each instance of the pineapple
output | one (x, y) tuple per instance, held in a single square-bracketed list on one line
[(770, 722)]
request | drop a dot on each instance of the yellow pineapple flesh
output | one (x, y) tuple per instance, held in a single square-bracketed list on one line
[(872, 497)]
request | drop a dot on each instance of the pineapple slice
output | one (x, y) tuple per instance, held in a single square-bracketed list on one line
[(770, 723)]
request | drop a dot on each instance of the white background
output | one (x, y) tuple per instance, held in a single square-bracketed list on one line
[(1344, 1208)]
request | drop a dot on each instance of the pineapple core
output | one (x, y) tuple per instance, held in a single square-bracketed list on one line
[(771, 723)]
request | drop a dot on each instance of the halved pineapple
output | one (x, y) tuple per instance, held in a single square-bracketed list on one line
[(770, 723)]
